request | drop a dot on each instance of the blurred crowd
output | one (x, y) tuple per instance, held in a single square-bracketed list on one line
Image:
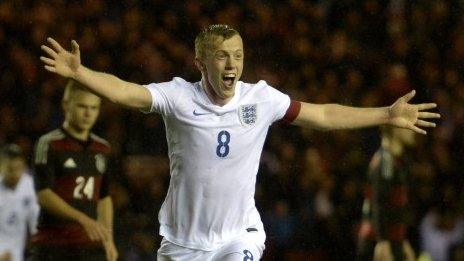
[(310, 184)]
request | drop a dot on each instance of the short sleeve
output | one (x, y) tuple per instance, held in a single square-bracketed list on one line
[(44, 165), (34, 211), (279, 103), (163, 96), (105, 184)]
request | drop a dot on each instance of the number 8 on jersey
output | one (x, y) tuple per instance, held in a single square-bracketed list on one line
[(222, 150)]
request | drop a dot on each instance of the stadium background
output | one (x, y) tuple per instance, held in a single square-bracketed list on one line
[(310, 184)]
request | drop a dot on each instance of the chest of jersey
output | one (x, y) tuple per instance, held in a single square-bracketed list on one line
[(216, 134), (79, 174), (80, 163), (14, 209)]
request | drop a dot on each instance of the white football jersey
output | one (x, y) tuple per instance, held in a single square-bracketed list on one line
[(214, 156), (19, 212)]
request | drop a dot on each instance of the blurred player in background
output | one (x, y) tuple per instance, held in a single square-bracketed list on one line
[(19, 209), (216, 129), (384, 225), (72, 183)]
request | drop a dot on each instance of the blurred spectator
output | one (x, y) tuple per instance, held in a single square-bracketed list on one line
[(440, 230)]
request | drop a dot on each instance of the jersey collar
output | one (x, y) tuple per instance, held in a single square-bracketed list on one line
[(83, 143), (227, 106)]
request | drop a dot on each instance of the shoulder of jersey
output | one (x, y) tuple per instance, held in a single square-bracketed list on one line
[(43, 145), (51, 136), (260, 88), (100, 140), (182, 86), (262, 84), (181, 81), (28, 178)]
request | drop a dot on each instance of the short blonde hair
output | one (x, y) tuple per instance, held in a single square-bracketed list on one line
[(205, 38), (71, 87)]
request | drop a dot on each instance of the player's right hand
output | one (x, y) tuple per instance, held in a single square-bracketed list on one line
[(95, 230), (61, 61)]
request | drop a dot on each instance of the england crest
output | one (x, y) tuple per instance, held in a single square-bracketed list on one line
[(248, 114)]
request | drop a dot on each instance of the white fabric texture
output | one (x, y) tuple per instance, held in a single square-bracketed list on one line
[(214, 154)]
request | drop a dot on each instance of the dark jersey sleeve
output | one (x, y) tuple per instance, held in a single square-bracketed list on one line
[(107, 176), (44, 166), (104, 189)]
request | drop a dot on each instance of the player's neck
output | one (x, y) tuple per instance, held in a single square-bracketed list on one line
[(82, 135), (212, 96), (10, 182), (395, 147)]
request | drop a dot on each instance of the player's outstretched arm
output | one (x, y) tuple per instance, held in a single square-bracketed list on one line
[(401, 114), (68, 64)]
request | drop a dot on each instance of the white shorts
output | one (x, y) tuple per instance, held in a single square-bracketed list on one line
[(248, 247)]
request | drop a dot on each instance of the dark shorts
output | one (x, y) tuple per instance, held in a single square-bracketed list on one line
[(366, 250), (42, 253)]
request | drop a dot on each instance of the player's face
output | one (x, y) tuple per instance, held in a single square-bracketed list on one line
[(223, 66), (13, 168), (82, 110)]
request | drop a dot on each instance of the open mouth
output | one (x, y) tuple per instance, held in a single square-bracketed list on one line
[(228, 79)]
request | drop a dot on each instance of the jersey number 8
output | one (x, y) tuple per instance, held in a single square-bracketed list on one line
[(222, 150)]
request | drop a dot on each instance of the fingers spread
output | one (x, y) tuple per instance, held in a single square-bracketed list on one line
[(92, 235), (409, 96), (55, 44), (50, 68), (47, 61), (425, 124), (428, 115), (426, 106), (75, 47), (103, 233), (418, 130), (49, 51)]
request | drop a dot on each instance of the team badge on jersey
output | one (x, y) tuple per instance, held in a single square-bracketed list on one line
[(248, 114), (100, 163)]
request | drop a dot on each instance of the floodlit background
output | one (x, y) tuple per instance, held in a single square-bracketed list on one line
[(310, 184)]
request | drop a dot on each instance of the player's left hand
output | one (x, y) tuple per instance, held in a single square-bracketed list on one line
[(110, 249), (411, 116)]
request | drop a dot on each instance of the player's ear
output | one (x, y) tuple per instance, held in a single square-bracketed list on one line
[(199, 64), (64, 105)]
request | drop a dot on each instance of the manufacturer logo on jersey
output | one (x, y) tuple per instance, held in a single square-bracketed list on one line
[(248, 114), (200, 113), (70, 163), (100, 163)]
